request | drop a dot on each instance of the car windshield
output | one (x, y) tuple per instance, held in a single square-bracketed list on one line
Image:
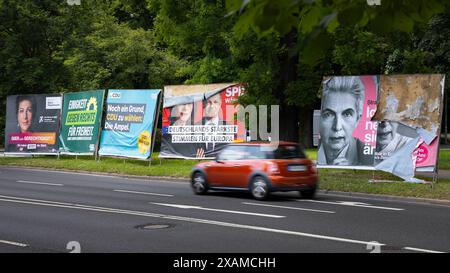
[(287, 152)]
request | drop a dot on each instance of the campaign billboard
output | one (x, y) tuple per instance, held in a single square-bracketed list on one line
[(80, 122), (199, 120), (387, 122), (416, 101), (131, 118), (347, 134), (32, 123)]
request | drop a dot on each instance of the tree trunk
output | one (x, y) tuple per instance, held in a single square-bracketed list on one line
[(288, 73), (305, 127), (288, 123)]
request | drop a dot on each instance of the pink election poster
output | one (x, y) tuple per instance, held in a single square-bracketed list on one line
[(351, 137)]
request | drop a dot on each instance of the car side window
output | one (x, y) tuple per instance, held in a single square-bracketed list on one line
[(255, 152), (288, 152), (233, 153)]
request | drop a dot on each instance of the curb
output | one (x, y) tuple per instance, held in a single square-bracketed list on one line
[(369, 196), (140, 177), (385, 197)]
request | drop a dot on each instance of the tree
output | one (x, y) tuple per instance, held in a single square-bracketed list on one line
[(323, 38), (31, 35), (198, 33), (114, 55)]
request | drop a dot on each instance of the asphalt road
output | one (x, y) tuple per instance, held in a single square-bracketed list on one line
[(51, 211)]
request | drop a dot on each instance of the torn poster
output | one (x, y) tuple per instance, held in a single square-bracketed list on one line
[(387, 122)]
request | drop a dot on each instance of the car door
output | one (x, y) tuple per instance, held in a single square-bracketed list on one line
[(218, 171), (240, 170)]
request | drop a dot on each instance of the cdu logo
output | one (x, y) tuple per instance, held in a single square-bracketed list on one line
[(115, 95)]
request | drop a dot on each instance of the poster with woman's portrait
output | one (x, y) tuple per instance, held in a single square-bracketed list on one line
[(32, 123), (347, 133)]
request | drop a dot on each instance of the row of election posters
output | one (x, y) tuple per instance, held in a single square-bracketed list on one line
[(197, 122), (72, 123), (382, 122), (374, 122)]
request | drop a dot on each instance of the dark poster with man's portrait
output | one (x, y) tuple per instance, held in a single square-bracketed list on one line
[(32, 123), (199, 125)]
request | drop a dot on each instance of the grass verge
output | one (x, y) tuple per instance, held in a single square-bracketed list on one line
[(330, 179), (358, 181)]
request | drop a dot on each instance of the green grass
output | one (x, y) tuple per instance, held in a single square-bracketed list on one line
[(330, 179), (165, 167), (443, 162), (358, 181)]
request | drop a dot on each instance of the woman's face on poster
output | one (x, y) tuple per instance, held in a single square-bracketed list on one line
[(25, 115), (183, 111), (338, 120)]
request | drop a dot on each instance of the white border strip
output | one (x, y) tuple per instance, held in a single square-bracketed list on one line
[(285, 207), (13, 243), (422, 250), (147, 193), (38, 183)]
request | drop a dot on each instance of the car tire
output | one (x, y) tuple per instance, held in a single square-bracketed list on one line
[(259, 188), (199, 184), (308, 193)]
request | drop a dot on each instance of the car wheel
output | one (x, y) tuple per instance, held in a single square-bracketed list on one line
[(308, 193), (198, 183), (259, 188)]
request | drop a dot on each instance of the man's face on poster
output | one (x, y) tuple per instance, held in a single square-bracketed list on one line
[(338, 120), (212, 106), (385, 133)]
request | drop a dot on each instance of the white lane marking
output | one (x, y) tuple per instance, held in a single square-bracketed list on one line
[(147, 193), (218, 210), (422, 250), (38, 183), (29, 199), (38, 202), (185, 219), (285, 207), (118, 177), (351, 204), (13, 243)]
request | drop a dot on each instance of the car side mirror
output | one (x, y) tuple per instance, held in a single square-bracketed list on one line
[(218, 160)]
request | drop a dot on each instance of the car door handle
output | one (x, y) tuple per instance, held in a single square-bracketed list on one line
[(236, 165)]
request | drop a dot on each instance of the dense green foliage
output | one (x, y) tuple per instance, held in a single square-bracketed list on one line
[(281, 48)]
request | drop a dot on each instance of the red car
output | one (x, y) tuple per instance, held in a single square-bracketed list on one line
[(260, 167)]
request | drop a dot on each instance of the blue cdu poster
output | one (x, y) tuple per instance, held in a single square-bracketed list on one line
[(130, 122)]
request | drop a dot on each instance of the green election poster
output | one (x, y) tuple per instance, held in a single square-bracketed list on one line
[(80, 122)]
